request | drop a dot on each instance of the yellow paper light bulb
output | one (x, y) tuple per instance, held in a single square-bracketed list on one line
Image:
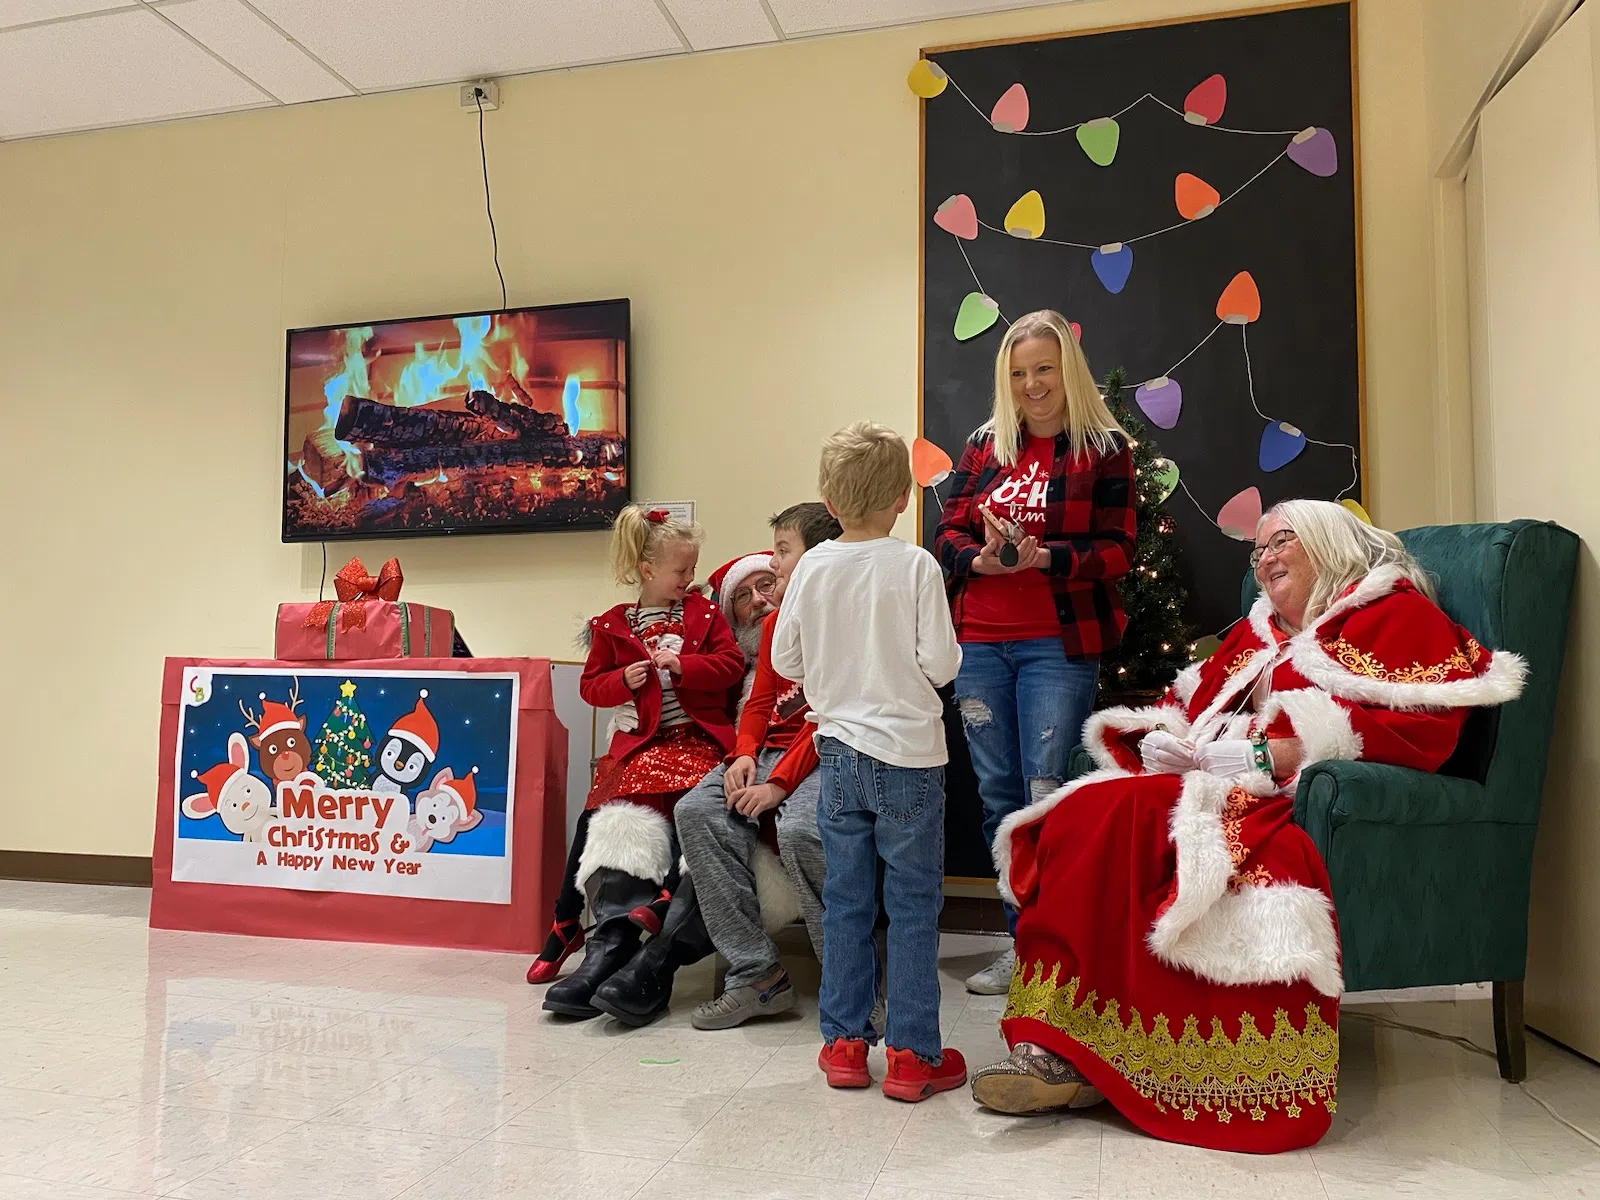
[(927, 79), (1026, 218)]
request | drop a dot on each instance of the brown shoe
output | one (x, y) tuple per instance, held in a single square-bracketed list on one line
[(1033, 1080)]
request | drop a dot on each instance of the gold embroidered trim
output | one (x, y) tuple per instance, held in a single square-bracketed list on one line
[(1285, 1071), (1359, 662), (1239, 663), (1234, 811)]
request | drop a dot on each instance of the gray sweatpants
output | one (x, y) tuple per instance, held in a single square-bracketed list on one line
[(720, 845)]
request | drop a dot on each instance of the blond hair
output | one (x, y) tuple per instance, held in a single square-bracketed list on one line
[(1087, 419), (1343, 549), (866, 469), (636, 539)]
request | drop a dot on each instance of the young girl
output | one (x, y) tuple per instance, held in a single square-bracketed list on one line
[(673, 655)]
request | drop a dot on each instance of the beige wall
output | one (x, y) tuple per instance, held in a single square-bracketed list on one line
[(760, 208), (1537, 277)]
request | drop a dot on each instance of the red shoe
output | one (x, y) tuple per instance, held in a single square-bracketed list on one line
[(648, 917), (844, 1062), (565, 937), (910, 1078)]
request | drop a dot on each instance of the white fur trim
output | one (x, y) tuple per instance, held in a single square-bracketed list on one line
[(1320, 722), (1204, 864), (1502, 682), (1038, 811), (1187, 683), (1097, 730), (627, 837), (1280, 933), (775, 894)]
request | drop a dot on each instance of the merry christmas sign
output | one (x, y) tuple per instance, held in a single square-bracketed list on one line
[(415, 802)]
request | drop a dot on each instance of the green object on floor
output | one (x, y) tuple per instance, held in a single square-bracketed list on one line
[(1431, 872), (658, 1062)]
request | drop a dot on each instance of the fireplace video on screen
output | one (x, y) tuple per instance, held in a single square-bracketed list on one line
[(477, 423)]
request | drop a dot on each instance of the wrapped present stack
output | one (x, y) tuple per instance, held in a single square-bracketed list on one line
[(366, 620)]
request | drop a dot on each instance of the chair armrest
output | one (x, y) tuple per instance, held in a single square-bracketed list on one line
[(1335, 793)]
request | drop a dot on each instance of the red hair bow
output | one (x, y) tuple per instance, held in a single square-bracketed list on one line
[(658, 516), (355, 588)]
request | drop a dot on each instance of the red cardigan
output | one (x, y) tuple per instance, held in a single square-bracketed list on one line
[(713, 665)]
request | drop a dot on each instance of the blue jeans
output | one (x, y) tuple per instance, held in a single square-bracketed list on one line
[(1023, 705), (870, 811)]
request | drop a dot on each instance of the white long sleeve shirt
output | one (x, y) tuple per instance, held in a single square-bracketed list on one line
[(865, 628)]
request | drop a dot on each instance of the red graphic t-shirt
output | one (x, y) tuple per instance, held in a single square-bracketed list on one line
[(1019, 606)]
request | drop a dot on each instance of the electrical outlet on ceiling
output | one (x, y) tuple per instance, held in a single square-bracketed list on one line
[(486, 89)]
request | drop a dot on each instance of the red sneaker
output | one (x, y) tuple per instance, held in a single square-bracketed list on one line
[(910, 1078), (565, 937), (844, 1062)]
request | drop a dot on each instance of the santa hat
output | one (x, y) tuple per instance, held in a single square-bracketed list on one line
[(216, 779), (419, 727), (275, 716), (466, 790), (725, 580)]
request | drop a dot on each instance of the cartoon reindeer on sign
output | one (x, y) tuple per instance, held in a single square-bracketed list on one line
[(280, 740)]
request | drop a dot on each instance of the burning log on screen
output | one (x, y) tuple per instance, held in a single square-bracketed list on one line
[(363, 420), (323, 464), (389, 465), (524, 422)]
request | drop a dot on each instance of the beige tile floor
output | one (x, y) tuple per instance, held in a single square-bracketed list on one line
[(144, 1063)]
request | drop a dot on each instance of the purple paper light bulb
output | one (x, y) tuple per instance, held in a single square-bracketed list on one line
[(1316, 151), (1161, 400)]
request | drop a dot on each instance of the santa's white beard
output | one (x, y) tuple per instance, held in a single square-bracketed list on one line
[(749, 639)]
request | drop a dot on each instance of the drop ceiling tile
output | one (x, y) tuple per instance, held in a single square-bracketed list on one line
[(231, 30), (798, 17), (109, 70), (20, 12), (378, 44), (715, 24)]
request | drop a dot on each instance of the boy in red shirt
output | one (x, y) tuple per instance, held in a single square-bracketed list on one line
[(772, 769)]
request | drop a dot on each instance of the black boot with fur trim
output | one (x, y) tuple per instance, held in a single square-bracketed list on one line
[(640, 992)]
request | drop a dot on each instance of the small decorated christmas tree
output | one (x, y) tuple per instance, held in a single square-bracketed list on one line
[(1156, 645), (344, 747)]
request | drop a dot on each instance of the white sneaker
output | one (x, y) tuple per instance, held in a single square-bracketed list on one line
[(995, 979)]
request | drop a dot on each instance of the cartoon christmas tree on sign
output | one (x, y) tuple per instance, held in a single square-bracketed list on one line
[(1156, 645), (344, 747)]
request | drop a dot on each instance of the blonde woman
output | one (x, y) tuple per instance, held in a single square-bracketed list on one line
[(1039, 528)]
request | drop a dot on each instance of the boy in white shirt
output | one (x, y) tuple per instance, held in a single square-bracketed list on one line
[(866, 628)]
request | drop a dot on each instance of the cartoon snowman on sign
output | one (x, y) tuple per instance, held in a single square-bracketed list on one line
[(408, 749), (242, 801)]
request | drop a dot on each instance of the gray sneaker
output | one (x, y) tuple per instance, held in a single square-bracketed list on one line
[(739, 1004), (995, 979)]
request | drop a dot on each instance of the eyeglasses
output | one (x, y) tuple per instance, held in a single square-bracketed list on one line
[(763, 587), (1273, 547)]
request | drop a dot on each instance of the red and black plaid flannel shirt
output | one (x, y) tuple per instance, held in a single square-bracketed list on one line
[(1089, 530)]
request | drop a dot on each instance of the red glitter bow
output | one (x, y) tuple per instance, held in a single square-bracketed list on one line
[(354, 588), (658, 516)]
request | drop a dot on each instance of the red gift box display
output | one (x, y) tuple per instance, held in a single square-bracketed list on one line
[(368, 620)]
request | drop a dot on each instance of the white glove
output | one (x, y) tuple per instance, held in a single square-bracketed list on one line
[(1227, 760), (624, 720), (1163, 754)]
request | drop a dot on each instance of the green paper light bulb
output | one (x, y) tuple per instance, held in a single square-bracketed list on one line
[(977, 313), (1099, 139)]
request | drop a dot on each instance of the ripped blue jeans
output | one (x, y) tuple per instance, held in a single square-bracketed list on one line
[(1023, 705)]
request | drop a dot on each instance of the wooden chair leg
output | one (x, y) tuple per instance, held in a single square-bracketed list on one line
[(1510, 1045)]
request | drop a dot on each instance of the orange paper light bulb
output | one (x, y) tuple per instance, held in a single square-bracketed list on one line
[(1240, 303), (1195, 197), (929, 464)]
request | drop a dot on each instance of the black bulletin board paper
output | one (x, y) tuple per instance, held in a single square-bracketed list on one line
[(1294, 231)]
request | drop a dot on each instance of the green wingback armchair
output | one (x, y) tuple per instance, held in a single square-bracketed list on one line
[(1431, 872)]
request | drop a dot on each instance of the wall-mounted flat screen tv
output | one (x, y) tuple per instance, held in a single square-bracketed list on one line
[(488, 422)]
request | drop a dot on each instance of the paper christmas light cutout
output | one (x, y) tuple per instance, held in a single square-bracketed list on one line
[(1205, 101), (1112, 264), (1026, 217), (1240, 302), (927, 79), (1166, 478), (1316, 151), (1010, 112), (956, 215), (977, 313), (1206, 647), (929, 464), (1195, 197), (1160, 399), (1077, 331), (1099, 139), (1355, 507), (1281, 444), (1240, 516)]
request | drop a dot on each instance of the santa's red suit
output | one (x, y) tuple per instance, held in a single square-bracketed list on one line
[(1176, 939)]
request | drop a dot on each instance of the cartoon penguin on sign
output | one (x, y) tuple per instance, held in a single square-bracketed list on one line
[(408, 749)]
